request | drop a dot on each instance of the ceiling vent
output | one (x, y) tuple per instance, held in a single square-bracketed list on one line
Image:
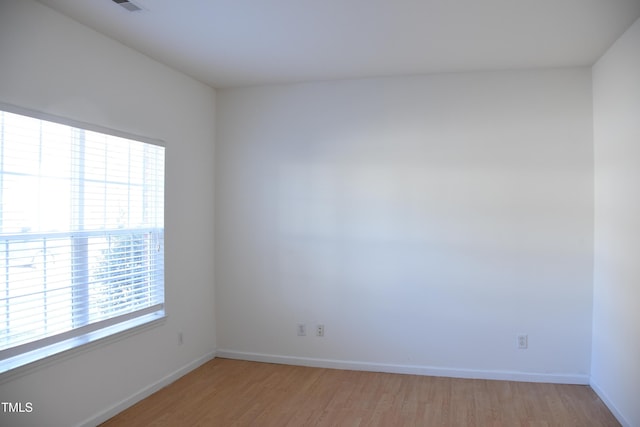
[(128, 5)]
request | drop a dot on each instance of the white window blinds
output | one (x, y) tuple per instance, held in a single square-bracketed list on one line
[(81, 233)]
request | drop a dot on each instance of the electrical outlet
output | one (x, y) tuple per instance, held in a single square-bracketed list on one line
[(180, 338), (523, 341), (320, 330), (302, 329)]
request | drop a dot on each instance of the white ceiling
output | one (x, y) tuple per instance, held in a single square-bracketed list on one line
[(228, 43)]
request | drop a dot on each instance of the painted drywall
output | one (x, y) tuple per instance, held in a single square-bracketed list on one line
[(615, 369), (52, 64), (424, 221)]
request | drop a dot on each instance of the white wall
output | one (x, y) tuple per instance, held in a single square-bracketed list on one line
[(615, 365), (425, 221), (52, 64)]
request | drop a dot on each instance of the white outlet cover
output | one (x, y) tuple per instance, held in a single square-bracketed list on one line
[(302, 329), (522, 341)]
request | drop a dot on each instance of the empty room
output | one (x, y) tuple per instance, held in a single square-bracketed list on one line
[(269, 213)]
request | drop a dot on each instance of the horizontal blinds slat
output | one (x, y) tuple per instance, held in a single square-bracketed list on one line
[(45, 327), (61, 309), (29, 236), (22, 302), (72, 313)]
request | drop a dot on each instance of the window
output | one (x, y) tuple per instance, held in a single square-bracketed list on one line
[(81, 235)]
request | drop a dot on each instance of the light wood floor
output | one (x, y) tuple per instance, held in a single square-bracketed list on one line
[(237, 393)]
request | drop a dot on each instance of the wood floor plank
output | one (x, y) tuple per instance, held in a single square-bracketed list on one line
[(227, 392)]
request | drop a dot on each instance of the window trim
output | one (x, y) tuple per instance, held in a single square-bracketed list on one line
[(108, 332), (79, 124)]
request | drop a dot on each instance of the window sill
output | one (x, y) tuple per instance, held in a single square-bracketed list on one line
[(33, 360)]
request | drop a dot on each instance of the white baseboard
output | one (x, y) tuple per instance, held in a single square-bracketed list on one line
[(406, 369), (146, 392), (605, 398)]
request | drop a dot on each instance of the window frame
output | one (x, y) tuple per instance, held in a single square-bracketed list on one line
[(110, 331)]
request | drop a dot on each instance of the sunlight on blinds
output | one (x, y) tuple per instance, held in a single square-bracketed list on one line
[(81, 231)]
